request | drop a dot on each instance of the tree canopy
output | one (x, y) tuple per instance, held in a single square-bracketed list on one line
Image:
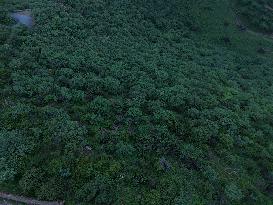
[(136, 102)]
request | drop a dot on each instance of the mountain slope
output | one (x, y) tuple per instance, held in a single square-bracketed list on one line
[(135, 102)]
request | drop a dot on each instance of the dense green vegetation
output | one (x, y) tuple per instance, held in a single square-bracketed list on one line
[(135, 102), (257, 13)]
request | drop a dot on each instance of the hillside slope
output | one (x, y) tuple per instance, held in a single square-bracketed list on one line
[(135, 102)]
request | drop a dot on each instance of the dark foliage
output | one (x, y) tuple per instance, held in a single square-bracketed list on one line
[(135, 102)]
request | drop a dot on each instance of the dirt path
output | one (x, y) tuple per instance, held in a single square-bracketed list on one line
[(26, 200), (244, 28)]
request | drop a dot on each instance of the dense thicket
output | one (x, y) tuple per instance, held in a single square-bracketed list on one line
[(135, 102)]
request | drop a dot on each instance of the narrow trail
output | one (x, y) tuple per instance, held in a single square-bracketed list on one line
[(25, 200), (244, 28)]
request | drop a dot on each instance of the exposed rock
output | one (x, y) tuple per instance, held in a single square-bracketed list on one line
[(165, 164)]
